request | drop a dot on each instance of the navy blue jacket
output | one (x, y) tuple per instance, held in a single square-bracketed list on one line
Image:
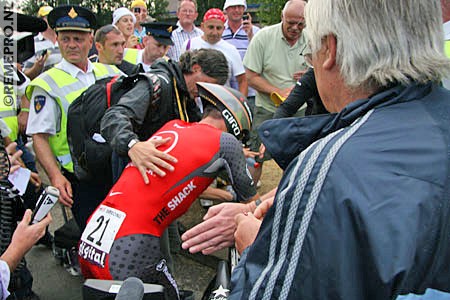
[(363, 209)]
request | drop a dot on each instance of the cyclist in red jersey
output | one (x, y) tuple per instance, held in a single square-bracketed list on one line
[(121, 238)]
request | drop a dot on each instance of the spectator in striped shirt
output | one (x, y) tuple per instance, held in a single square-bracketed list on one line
[(239, 32), (187, 14)]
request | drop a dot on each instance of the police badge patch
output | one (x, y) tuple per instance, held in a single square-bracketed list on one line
[(39, 102)]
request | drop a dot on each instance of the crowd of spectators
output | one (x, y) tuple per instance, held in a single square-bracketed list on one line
[(363, 208)]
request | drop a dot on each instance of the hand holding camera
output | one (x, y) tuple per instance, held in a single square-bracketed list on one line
[(247, 25)]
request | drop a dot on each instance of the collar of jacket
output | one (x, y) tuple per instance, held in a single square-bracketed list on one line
[(286, 138), (174, 70)]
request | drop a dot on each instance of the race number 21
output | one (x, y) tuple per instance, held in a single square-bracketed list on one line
[(102, 228)]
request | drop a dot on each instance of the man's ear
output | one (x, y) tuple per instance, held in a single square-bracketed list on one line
[(331, 46), (145, 40), (98, 46), (196, 68)]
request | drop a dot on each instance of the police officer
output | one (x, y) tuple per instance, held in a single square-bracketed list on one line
[(51, 94), (157, 42)]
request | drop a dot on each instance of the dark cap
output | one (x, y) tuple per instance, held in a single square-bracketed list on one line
[(162, 32), (30, 24), (71, 17)]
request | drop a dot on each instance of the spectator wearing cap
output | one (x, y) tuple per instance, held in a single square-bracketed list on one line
[(239, 32), (124, 19), (274, 61), (139, 9), (156, 44), (187, 14), (51, 93), (45, 47), (213, 27)]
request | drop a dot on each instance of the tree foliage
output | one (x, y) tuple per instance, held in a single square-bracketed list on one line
[(269, 11), (203, 6), (102, 9)]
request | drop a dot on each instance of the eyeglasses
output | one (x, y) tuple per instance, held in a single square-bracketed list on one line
[(300, 24)]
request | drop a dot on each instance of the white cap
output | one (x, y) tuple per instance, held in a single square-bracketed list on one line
[(229, 3), (120, 12)]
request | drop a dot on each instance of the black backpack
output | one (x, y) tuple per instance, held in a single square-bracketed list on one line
[(91, 154)]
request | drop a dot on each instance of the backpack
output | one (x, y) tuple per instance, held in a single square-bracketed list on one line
[(91, 154)]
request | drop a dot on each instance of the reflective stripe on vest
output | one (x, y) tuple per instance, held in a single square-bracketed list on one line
[(447, 48), (64, 89), (8, 109), (7, 113), (131, 55)]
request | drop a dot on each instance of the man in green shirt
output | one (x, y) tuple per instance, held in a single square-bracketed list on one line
[(274, 62)]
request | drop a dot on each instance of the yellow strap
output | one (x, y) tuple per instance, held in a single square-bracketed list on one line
[(183, 115)]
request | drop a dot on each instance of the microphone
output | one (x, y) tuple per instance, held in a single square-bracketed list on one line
[(131, 289)]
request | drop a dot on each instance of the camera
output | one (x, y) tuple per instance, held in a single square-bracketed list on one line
[(137, 10)]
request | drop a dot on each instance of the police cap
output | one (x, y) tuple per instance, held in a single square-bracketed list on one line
[(160, 31), (71, 17)]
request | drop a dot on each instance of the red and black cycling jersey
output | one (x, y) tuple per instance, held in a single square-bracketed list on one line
[(135, 208)]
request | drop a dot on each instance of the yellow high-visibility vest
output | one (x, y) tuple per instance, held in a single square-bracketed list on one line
[(64, 89)]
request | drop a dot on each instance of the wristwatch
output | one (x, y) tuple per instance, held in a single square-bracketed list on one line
[(132, 143)]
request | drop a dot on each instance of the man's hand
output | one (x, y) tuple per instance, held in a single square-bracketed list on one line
[(35, 180), (299, 74), (65, 189), (216, 231), (248, 27), (263, 208), (37, 67), (250, 153), (247, 227), (132, 41), (13, 157), (22, 119), (145, 156), (285, 92), (24, 237)]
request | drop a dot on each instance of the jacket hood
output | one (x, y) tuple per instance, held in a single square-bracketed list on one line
[(286, 138)]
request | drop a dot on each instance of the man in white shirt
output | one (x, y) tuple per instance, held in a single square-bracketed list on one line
[(213, 27), (239, 31)]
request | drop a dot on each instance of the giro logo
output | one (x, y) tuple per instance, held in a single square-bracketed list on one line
[(232, 121)]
